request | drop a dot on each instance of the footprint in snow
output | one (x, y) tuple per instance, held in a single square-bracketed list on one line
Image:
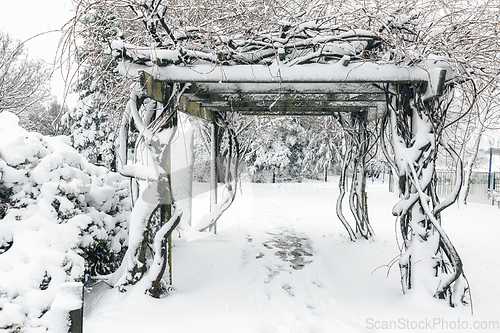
[(291, 248)]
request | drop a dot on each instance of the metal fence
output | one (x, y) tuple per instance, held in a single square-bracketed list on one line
[(478, 191)]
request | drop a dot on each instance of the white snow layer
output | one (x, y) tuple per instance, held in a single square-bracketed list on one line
[(282, 262), (58, 205)]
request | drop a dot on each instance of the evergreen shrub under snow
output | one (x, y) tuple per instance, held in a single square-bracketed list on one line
[(61, 217)]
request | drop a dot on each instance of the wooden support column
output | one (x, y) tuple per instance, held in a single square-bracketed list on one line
[(214, 154), (166, 208), (76, 318), (167, 203)]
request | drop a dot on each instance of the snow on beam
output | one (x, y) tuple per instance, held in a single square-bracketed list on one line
[(364, 72)]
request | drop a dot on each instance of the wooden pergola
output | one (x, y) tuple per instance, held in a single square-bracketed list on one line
[(341, 75)]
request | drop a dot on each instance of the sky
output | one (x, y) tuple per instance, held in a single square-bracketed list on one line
[(24, 19)]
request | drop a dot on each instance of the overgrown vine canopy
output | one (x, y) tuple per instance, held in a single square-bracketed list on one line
[(263, 32)]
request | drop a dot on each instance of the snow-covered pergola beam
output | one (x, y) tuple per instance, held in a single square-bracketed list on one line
[(306, 90), (201, 100), (284, 110), (206, 111), (287, 96), (304, 112), (361, 72), (280, 101)]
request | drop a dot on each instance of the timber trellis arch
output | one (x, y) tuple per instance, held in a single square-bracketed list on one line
[(339, 75)]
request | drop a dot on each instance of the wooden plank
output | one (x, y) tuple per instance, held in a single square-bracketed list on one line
[(354, 72), (154, 89), (292, 105), (294, 111), (285, 88), (193, 108), (327, 97)]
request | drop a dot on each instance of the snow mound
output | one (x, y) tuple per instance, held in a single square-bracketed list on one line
[(56, 211)]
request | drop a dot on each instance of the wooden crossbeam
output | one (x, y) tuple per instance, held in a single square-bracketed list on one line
[(195, 109), (291, 97), (272, 99), (301, 112), (354, 72), (284, 88), (234, 105)]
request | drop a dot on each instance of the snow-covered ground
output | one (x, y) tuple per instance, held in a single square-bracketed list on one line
[(282, 262)]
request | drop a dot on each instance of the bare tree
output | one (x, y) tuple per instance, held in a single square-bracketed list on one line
[(46, 119), (476, 115), (23, 82)]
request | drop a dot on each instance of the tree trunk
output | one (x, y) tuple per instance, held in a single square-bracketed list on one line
[(231, 182), (478, 133), (151, 169), (358, 198), (428, 260), (342, 191)]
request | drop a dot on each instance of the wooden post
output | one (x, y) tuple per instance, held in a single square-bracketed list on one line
[(76, 319), (166, 208), (160, 91), (213, 171), (489, 171), (166, 214)]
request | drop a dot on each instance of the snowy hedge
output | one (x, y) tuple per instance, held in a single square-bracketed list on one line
[(60, 217)]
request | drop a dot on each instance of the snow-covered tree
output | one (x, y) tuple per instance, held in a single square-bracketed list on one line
[(46, 119), (94, 121), (23, 82), (473, 117), (92, 129), (323, 149), (278, 149)]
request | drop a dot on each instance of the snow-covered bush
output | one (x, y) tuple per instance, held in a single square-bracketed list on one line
[(277, 153), (92, 129), (60, 217)]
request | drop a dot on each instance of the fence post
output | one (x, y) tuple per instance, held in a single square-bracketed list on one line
[(76, 318), (391, 184), (489, 170)]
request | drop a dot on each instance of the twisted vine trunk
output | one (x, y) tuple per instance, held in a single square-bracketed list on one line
[(150, 170), (356, 149), (231, 159), (428, 258), (358, 199), (342, 189)]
